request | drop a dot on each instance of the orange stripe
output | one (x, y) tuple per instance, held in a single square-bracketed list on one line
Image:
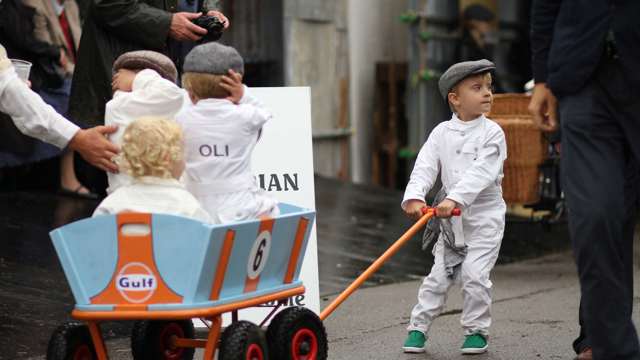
[(223, 262), (295, 250), (131, 307), (206, 312), (265, 225)]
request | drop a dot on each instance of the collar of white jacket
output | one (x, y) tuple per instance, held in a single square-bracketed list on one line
[(456, 123), (5, 63)]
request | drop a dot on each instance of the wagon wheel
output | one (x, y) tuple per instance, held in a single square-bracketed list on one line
[(297, 334), (71, 341), (152, 340), (243, 340)]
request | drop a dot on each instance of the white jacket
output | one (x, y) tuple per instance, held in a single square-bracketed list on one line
[(31, 115), (470, 156), (151, 95), (153, 195), (219, 139)]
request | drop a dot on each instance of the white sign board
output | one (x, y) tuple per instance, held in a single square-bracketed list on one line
[(283, 166)]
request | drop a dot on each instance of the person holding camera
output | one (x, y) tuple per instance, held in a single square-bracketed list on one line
[(114, 27)]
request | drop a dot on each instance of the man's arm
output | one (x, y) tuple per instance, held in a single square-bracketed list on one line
[(543, 18), (35, 118), (543, 105), (133, 21)]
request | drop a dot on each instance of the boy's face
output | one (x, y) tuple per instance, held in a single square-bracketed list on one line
[(473, 96)]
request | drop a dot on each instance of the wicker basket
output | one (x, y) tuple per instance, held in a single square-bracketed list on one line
[(525, 146)]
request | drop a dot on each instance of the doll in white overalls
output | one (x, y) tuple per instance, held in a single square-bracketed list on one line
[(468, 152), (221, 127)]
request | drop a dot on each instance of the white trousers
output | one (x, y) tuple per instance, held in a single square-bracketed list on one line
[(482, 253)]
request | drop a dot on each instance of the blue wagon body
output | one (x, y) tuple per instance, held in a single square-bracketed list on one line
[(186, 254)]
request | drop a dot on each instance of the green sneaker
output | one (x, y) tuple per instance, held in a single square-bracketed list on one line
[(475, 344), (415, 342)]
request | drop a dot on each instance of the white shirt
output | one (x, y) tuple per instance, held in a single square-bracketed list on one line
[(470, 156), (219, 139), (153, 195), (151, 95), (31, 115)]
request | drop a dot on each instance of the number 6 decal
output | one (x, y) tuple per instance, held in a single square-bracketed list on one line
[(259, 255)]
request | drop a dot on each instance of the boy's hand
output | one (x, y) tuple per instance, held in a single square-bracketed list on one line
[(445, 208), (413, 209), (233, 84), (123, 80)]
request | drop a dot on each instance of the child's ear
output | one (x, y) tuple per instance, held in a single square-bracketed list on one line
[(453, 98)]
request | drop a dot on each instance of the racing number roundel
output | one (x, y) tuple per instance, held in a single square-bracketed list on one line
[(259, 255)]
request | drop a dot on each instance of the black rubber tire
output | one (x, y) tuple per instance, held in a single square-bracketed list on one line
[(147, 341), (289, 322), (238, 338), (69, 338)]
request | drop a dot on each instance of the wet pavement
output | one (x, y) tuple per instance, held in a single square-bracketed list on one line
[(355, 225)]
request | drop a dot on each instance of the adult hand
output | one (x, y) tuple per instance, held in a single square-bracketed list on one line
[(182, 29), (413, 209), (233, 84), (544, 108), (221, 17), (94, 147)]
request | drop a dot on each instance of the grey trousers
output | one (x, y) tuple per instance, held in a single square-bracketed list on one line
[(600, 152)]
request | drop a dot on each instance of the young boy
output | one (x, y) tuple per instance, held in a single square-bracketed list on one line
[(144, 84), (222, 127), (152, 150), (468, 151)]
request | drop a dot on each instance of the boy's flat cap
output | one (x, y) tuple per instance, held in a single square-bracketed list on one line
[(213, 58), (460, 71), (147, 59)]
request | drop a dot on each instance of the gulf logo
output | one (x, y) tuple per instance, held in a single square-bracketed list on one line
[(136, 282)]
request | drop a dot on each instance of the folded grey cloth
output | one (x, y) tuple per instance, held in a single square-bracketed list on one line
[(439, 229)]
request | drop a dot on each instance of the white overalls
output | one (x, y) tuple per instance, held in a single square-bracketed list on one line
[(219, 140), (469, 156), (151, 95)]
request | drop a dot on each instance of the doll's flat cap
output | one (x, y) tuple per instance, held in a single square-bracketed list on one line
[(147, 59), (213, 58), (460, 71)]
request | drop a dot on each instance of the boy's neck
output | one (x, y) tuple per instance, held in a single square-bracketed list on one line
[(467, 117)]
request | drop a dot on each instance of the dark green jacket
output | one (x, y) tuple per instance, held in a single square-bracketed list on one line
[(112, 28)]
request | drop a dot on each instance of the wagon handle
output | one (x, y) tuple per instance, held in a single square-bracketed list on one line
[(428, 214)]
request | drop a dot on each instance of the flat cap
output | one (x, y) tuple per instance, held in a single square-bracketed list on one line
[(213, 58), (147, 59), (478, 12), (460, 71)]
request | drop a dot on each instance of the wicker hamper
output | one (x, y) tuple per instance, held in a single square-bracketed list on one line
[(525, 146)]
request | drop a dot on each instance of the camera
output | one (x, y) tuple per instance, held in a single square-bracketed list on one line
[(213, 25)]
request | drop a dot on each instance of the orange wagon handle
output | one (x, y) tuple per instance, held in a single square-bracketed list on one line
[(428, 214)]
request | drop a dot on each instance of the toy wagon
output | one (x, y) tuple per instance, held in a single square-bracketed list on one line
[(163, 271)]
